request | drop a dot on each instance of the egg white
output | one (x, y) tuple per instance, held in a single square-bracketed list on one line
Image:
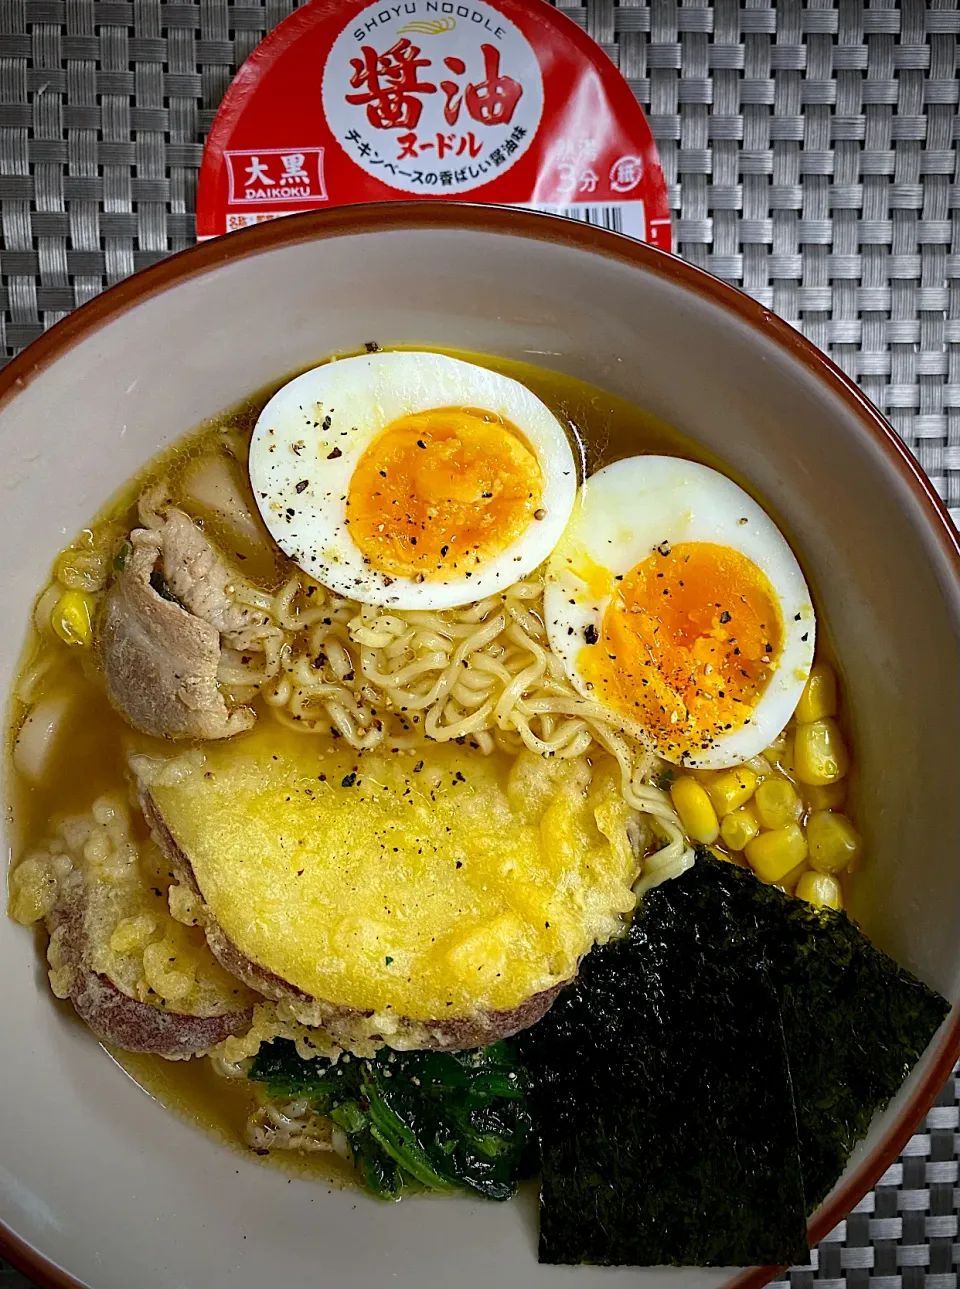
[(628, 509), (310, 436)]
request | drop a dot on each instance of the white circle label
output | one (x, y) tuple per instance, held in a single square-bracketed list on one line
[(433, 96), (626, 173)]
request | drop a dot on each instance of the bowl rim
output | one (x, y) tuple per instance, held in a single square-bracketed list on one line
[(408, 216)]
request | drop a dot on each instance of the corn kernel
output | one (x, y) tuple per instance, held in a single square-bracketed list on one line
[(820, 754), (72, 618), (776, 749), (788, 882), (777, 803), (819, 697), (834, 842), (739, 827), (732, 789), (702, 776), (773, 854), (779, 755), (760, 766), (820, 889), (825, 796), (695, 809)]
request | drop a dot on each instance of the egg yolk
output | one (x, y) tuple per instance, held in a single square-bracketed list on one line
[(690, 639), (438, 493)]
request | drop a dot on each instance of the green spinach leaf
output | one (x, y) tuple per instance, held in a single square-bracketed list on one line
[(434, 1120)]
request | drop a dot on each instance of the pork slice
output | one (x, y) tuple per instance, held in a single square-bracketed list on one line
[(199, 579), (159, 659)]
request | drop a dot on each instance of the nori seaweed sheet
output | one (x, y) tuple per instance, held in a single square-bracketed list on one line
[(667, 1124), (699, 1087), (855, 1022)]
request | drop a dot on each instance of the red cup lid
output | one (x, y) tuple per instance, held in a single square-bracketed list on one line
[(504, 101)]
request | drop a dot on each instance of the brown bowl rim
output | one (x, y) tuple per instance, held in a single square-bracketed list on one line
[(504, 220)]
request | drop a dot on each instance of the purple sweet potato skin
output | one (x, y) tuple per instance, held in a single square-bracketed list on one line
[(125, 1022)]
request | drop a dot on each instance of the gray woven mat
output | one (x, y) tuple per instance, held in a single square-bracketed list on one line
[(811, 153)]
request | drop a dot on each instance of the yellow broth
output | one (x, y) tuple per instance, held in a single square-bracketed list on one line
[(90, 756)]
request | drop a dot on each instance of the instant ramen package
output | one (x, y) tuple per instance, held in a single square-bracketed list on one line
[(501, 101)]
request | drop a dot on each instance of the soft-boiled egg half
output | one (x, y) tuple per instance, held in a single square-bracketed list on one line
[(674, 600), (412, 479)]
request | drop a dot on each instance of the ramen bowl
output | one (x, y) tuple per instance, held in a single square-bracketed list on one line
[(99, 1185)]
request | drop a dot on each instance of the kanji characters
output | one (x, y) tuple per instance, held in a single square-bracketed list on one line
[(493, 100), (293, 171), (275, 175), (392, 84), (257, 173), (626, 173), (577, 149), (451, 90), (395, 98)]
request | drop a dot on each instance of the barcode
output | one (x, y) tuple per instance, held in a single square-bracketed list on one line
[(629, 217)]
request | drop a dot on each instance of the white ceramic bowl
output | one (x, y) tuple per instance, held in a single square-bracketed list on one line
[(98, 1184)]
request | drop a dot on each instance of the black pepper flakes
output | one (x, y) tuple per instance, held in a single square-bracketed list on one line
[(332, 456), (591, 634), (303, 485)]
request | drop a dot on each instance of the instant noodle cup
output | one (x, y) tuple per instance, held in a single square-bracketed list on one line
[(502, 101)]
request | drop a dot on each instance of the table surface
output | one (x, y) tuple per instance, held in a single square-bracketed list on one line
[(811, 155)]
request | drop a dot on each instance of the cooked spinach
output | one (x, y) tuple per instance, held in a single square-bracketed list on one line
[(645, 1072), (434, 1120)]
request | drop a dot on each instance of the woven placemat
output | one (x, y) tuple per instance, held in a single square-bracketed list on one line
[(810, 151), (811, 156)]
